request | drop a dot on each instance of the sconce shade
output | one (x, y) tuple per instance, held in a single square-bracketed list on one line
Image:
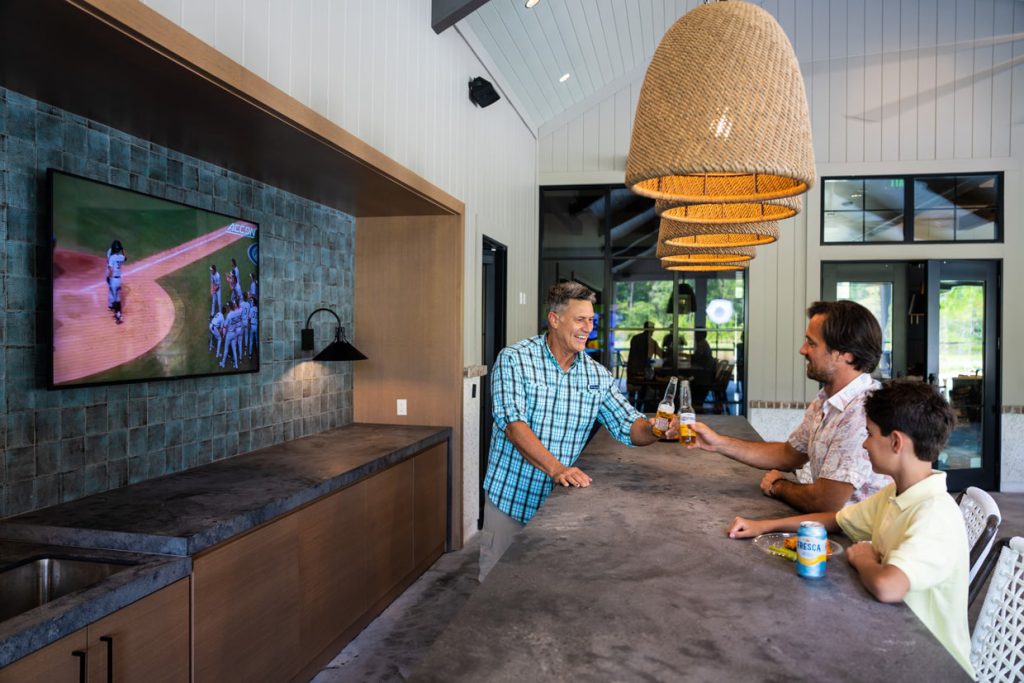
[(339, 349), (729, 214), (675, 234), (704, 254), (702, 267), (722, 114)]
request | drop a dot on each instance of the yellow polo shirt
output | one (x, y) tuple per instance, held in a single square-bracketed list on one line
[(922, 532)]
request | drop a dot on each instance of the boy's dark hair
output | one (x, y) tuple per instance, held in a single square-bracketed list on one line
[(850, 328), (916, 409)]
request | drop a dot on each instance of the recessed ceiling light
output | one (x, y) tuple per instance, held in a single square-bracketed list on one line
[(564, 78), (531, 3)]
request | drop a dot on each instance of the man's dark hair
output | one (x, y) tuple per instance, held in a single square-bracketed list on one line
[(916, 409), (562, 293), (850, 328)]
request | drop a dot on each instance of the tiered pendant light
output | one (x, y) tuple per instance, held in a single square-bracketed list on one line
[(674, 234), (696, 254), (722, 134), (722, 114), (741, 212)]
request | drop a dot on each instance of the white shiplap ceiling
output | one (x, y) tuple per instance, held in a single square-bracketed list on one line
[(597, 42), (605, 44)]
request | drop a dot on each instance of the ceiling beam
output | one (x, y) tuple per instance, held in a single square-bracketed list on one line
[(444, 13)]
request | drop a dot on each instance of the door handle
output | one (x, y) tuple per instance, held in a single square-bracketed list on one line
[(81, 664), (109, 640)]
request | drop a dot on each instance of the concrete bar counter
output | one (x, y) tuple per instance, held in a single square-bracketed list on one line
[(634, 578)]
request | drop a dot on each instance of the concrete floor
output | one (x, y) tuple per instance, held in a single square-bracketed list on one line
[(390, 648)]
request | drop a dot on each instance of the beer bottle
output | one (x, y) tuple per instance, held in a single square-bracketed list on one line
[(666, 409), (686, 416)]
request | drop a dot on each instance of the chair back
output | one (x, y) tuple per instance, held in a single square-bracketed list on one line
[(997, 644), (982, 519)]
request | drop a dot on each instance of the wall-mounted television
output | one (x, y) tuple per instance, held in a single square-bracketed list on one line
[(145, 288)]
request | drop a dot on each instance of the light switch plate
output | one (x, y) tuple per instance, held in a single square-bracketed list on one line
[(402, 407)]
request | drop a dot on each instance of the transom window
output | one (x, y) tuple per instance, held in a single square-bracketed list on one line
[(965, 207)]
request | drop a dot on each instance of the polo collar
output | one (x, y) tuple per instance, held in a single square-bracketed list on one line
[(930, 486)]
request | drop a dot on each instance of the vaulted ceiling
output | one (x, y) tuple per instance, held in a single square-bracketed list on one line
[(597, 42)]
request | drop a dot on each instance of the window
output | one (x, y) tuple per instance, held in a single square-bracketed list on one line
[(912, 208)]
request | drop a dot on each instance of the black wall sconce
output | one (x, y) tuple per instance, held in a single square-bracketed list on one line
[(339, 349)]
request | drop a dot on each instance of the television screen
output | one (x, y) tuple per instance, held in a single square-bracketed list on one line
[(145, 288)]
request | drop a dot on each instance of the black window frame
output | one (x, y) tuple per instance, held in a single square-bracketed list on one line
[(909, 210)]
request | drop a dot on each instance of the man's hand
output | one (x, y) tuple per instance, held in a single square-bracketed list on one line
[(768, 480), (860, 553), (672, 433), (707, 438), (746, 528), (572, 476)]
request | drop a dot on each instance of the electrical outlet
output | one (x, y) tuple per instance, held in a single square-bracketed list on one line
[(402, 408)]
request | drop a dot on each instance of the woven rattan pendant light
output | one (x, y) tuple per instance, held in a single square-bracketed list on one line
[(698, 254), (702, 267), (674, 234), (722, 114), (727, 214)]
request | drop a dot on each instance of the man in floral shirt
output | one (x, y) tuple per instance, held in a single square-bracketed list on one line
[(842, 345)]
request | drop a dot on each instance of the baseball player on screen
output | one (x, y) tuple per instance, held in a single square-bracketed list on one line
[(115, 259), (217, 331), (253, 325), (214, 290), (243, 336)]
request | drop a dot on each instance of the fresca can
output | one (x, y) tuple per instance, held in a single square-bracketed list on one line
[(811, 550)]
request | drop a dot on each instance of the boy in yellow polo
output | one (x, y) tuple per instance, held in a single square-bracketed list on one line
[(910, 539)]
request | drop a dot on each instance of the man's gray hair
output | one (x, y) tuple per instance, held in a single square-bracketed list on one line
[(562, 293)]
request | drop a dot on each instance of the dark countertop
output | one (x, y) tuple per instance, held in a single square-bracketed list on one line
[(181, 514), (634, 578), (186, 512), (38, 627)]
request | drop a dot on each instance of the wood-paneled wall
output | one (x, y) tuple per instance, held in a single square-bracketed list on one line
[(378, 70)]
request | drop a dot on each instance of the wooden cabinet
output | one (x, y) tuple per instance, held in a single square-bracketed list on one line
[(55, 662), (145, 641), (279, 602), (246, 605)]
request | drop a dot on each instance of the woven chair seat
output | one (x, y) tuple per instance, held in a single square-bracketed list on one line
[(997, 645)]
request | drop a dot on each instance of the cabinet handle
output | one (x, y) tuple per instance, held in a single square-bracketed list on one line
[(109, 640), (81, 664)]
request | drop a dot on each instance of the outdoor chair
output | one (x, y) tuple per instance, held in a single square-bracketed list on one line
[(997, 644), (982, 518)]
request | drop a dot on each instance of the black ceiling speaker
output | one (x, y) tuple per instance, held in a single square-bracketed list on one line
[(482, 93)]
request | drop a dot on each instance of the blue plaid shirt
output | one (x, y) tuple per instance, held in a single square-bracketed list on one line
[(560, 407)]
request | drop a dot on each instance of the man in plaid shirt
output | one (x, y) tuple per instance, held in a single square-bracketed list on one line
[(547, 394)]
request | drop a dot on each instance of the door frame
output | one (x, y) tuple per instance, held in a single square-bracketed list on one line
[(493, 334)]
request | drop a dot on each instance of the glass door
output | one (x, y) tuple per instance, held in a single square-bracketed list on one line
[(962, 354), (939, 324)]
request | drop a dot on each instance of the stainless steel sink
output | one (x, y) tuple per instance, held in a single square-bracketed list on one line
[(44, 579)]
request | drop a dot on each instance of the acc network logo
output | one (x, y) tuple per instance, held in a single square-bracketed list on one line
[(243, 229)]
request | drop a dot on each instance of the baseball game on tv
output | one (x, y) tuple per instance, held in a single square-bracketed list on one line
[(145, 288)]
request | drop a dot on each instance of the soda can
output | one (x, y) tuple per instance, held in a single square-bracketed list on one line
[(811, 550)]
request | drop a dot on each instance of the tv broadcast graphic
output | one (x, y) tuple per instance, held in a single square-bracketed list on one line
[(145, 288)]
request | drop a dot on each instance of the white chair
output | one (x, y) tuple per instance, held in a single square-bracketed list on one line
[(997, 645), (982, 518)]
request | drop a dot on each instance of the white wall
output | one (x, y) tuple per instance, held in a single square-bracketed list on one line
[(379, 71), (894, 86)]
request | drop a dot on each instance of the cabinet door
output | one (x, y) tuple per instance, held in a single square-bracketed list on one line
[(431, 498), (332, 567), (53, 664), (246, 607), (389, 527), (145, 641)]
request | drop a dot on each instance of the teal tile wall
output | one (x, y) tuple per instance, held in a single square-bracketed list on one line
[(61, 445)]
